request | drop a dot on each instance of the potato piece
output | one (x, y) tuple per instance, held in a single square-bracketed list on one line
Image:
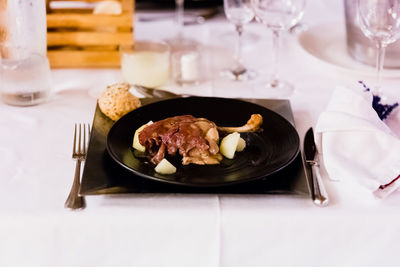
[(136, 144), (241, 145), (165, 167), (229, 144)]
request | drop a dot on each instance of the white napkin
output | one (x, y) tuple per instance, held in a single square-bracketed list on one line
[(356, 145)]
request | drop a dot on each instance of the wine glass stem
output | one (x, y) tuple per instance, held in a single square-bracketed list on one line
[(380, 57), (275, 57), (179, 17), (238, 52)]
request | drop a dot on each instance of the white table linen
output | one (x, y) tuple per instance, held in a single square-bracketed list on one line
[(36, 173), (356, 144)]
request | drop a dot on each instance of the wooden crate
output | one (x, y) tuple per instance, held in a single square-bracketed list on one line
[(77, 38)]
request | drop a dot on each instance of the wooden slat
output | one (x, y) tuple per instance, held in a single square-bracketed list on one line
[(128, 5), (88, 38), (3, 4), (84, 59), (62, 11), (77, 38), (88, 20), (79, 0)]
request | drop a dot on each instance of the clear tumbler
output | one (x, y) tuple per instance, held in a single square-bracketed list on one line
[(24, 76), (24, 67)]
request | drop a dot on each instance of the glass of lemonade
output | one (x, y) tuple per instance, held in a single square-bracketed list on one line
[(146, 63)]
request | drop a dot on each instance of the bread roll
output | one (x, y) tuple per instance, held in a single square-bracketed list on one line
[(116, 101)]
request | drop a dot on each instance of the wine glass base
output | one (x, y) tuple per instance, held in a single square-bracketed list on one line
[(239, 75), (275, 90)]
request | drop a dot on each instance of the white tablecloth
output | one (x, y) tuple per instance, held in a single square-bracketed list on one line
[(36, 173)]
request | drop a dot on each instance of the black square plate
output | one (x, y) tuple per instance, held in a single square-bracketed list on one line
[(102, 175)]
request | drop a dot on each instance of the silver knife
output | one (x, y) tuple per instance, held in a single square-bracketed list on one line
[(318, 191), (153, 92)]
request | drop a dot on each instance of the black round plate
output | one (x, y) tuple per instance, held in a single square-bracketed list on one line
[(267, 151)]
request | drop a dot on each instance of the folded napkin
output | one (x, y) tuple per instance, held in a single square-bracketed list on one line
[(356, 144)]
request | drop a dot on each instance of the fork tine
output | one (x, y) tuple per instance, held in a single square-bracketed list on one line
[(84, 139), (88, 136), (74, 146), (79, 137)]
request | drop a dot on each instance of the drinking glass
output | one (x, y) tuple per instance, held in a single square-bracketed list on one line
[(146, 63), (179, 42), (380, 22), (278, 15), (179, 16), (186, 66), (25, 77), (238, 12), (24, 67), (176, 41)]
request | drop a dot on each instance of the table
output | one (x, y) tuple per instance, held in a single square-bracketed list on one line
[(36, 173)]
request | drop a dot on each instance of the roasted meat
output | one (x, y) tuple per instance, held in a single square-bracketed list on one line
[(195, 139)]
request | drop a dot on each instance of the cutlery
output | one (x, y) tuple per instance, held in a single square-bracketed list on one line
[(318, 191), (187, 22), (191, 18), (79, 151), (153, 92)]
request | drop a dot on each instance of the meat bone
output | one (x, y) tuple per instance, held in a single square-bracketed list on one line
[(252, 125)]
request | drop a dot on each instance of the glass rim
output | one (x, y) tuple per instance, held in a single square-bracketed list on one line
[(145, 45)]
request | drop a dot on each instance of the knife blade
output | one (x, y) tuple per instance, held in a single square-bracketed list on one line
[(152, 92), (318, 191)]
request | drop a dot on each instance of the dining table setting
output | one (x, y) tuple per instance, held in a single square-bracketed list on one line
[(199, 133)]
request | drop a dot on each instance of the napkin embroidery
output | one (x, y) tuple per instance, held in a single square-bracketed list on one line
[(383, 110), (389, 184)]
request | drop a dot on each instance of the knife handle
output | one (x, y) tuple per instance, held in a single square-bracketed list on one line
[(320, 194)]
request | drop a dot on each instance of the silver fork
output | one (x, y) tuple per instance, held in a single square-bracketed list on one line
[(79, 151)]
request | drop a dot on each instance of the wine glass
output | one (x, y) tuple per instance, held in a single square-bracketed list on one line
[(180, 43), (278, 15), (179, 16), (380, 22), (239, 12), (178, 40)]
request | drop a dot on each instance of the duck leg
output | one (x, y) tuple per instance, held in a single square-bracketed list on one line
[(252, 125)]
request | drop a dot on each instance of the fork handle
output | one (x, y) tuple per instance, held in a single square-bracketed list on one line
[(74, 201)]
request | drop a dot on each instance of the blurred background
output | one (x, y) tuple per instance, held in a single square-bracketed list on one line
[(147, 4)]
